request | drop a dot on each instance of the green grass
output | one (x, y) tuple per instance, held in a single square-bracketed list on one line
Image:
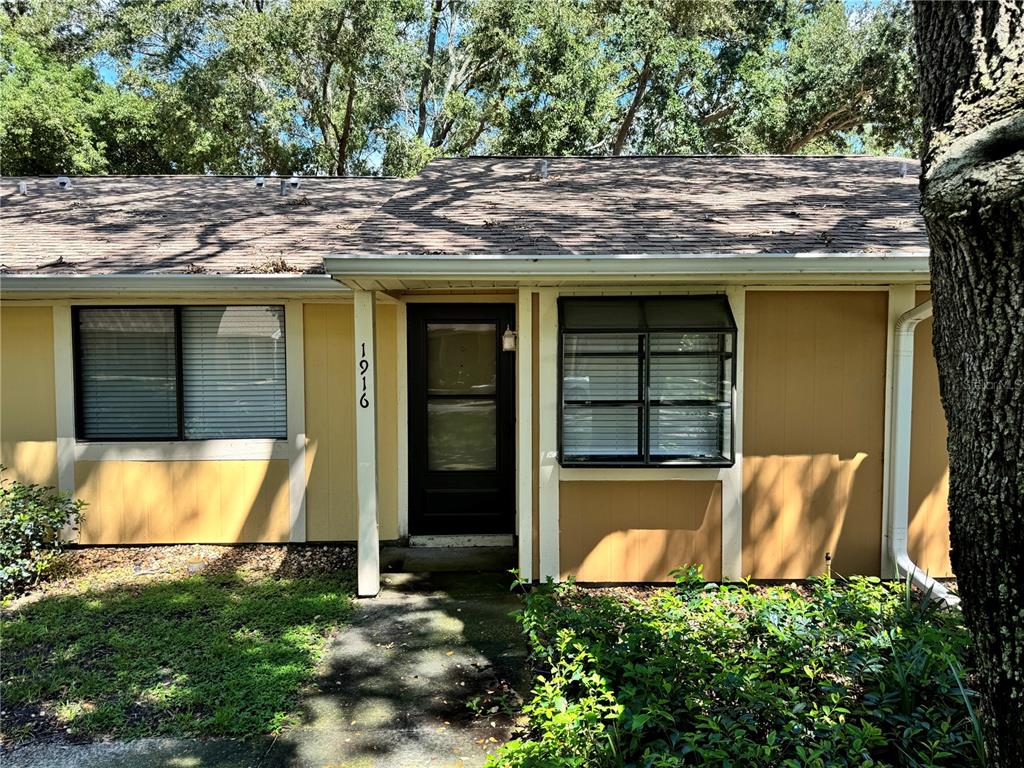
[(208, 655)]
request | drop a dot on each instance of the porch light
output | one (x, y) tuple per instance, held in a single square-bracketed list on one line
[(508, 340)]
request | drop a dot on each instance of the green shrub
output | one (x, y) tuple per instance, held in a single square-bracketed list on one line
[(852, 674), (31, 519)]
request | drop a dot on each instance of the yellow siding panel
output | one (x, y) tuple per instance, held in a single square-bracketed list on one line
[(165, 502), (928, 532), (331, 513), (638, 531), (814, 420), (28, 419)]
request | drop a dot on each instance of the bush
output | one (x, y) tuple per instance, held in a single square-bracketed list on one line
[(31, 519), (854, 674)]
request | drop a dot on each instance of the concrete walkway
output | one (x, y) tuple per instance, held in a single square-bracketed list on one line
[(393, 690)]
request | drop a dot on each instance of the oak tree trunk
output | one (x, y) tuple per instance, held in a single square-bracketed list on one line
[(971, 55)]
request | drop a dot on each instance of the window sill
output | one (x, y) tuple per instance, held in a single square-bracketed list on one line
[(666, 472), (251, 449)]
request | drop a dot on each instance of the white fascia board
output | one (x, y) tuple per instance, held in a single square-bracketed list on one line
[(149, 284), (496, 266)]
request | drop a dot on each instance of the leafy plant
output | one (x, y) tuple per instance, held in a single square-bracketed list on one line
[(835, 673), (31, 520)]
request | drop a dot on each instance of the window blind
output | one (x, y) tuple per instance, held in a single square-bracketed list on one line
[(180, 373), (127, 374), (233, 365)]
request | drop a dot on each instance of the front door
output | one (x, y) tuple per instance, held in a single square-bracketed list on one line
[(461, 420)]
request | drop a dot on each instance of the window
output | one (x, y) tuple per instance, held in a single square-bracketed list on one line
[(646, 381), (180, 373)]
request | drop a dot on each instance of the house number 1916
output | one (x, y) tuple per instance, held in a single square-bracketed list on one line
[(364, 367)]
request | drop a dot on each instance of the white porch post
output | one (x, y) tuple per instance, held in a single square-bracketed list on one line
[(366, 444), (732, 478), (524, 429), (547, 437)]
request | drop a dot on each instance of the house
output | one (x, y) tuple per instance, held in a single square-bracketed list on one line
[(618, 365)]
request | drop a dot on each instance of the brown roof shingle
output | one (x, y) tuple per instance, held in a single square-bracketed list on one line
[(482, 205), (650, 205), (215, 224)]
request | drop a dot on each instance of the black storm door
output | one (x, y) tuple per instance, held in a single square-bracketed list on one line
[(461, 420)]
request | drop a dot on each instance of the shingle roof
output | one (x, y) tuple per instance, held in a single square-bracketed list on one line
[(650, 205), (216, 224), (521, 206)]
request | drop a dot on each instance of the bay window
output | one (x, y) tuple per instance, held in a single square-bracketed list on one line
[(646, 381)]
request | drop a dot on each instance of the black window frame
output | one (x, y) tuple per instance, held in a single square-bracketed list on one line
[(644, 403), (179, 372)]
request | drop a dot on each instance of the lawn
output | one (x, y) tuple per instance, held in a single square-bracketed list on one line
[(858, 673), (218, 653)]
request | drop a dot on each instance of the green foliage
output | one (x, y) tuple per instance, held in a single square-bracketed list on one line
[(214, 655), (850, 674), (346, 86), (31, 519)]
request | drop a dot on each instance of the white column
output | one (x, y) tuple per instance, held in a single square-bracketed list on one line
[(547, 395), (296, 377), (64, 403), (366, 445), (732, 478), (524, 431), (402, 443), (901, 299)]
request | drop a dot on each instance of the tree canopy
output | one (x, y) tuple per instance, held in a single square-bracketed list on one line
[(348, 86)]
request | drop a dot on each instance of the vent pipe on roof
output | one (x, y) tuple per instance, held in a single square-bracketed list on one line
[(23, 187), (260, 181), (903, 169), (544, 169), (64, 182)]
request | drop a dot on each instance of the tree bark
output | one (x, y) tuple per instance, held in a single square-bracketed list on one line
[(638, 96), (428, 67), (971, 54)]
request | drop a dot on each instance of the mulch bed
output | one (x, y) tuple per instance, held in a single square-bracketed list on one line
[(104, 567)]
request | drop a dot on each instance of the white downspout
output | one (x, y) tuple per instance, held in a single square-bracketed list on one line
[(899, 481)]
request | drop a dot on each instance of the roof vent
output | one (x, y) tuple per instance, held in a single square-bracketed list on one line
[(64, 182), (23, 187), (293, 182), (260, 181), (544, 169), (903, 169)]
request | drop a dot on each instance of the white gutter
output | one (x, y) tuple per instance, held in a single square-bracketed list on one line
[(899, 448), (89, 285), (506, 266)]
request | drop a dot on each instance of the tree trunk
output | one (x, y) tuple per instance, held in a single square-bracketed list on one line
[(638, 96), (972, 85), (428, 68)]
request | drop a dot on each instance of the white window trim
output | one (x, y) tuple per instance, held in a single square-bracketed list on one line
[(251, 449), (293, 449)]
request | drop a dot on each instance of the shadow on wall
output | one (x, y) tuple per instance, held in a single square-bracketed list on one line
[(638, 531), (797, 508), (171, 502)]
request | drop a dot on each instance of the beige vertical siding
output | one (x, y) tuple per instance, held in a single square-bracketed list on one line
[(167, 502), (330, 422), (636, 531), (928, 539), (28, 419), (813, 431)]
